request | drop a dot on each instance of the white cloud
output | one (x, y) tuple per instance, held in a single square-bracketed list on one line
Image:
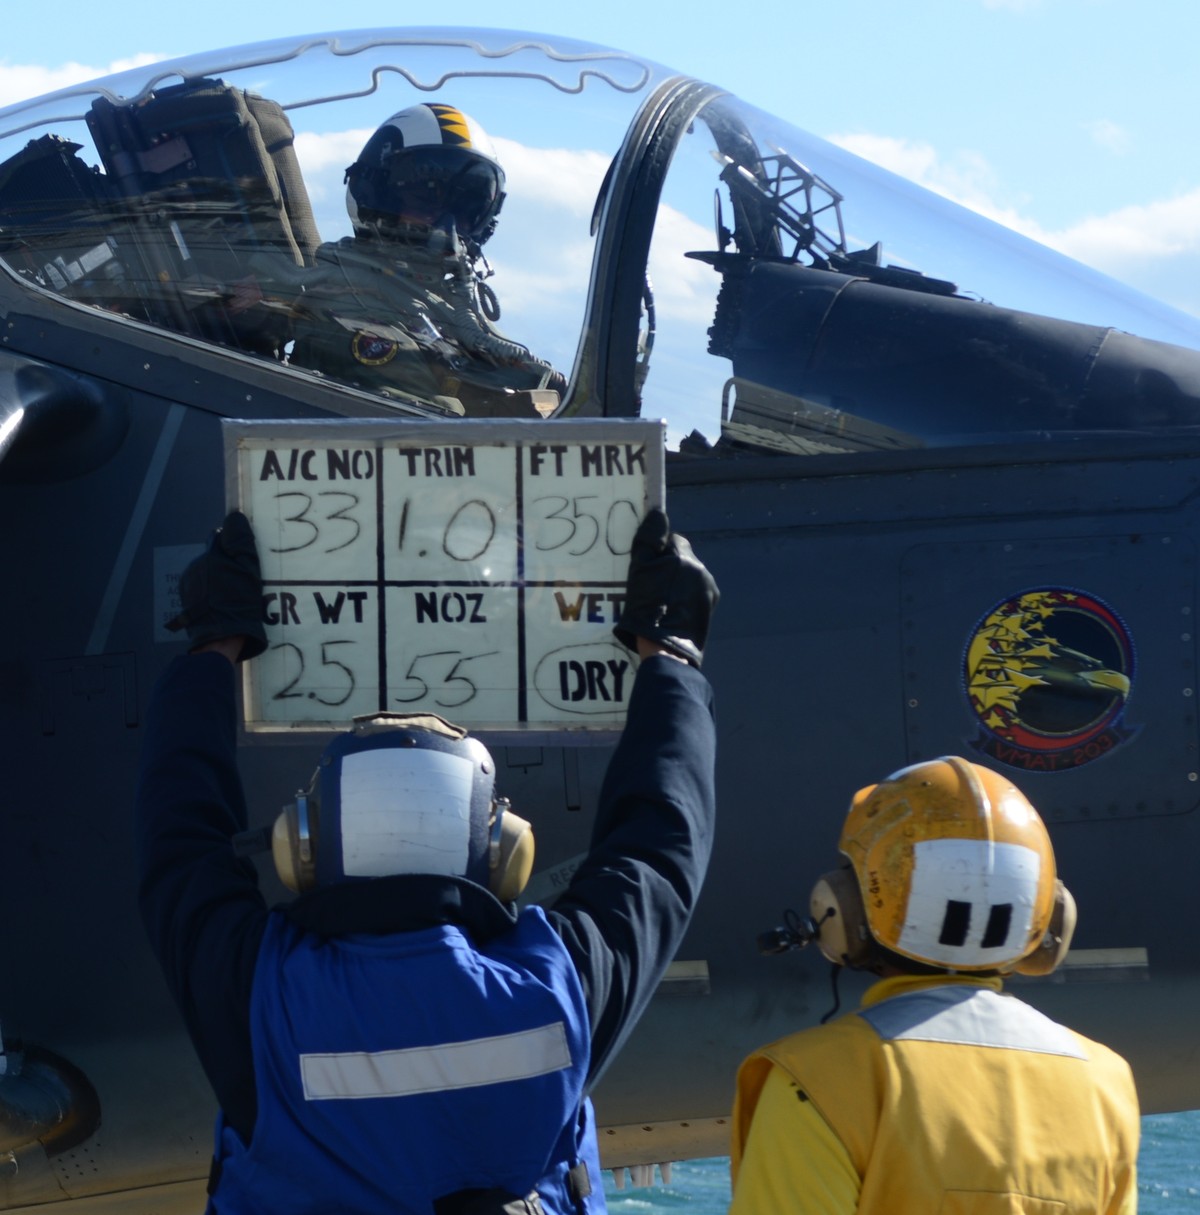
[(564, 177), (683, 286), (542, 250), (332, 152), (967, 179), (1168, 228), (21, 81), (1108, 135), (1153, 246), (323, 160)]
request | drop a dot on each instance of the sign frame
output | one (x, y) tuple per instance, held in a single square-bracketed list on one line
[(532, 518)]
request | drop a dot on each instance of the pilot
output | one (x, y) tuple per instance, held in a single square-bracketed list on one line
[(939, 1093), (399, 1038), (402, 306)]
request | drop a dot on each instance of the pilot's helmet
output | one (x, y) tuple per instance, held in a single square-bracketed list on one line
[(424, 167), (950, 867), (402, 794)]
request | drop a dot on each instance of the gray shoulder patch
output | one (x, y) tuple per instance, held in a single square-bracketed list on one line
[(970, 1016)]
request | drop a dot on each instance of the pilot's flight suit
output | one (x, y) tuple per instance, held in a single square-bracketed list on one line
[(406, 319), (942, 1095), (619, 922)]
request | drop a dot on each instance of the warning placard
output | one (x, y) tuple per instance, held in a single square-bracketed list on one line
[(471, 568)]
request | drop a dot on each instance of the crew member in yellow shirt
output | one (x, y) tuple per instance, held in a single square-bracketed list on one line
[(941, 1095)]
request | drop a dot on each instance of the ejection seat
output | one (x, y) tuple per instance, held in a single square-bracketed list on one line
[(201, 196), (210, 179)]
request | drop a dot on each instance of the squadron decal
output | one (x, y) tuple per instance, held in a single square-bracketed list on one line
[(1047, 674), (372, 349)]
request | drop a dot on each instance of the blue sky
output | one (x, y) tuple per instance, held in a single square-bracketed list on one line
[(1071, 120)]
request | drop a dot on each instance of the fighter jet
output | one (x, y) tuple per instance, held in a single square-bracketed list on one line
[(946, 478)]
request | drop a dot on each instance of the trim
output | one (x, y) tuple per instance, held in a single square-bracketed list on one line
[(1107, 959), (686, 978), (651, 1143), (970, 1016)]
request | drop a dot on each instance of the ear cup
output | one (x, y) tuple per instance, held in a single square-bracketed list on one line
[(510, 855), (1048, 956), (837, 908), (293, 847)]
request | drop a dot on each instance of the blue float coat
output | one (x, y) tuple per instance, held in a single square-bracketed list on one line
[(471, 1056), (621, 918)]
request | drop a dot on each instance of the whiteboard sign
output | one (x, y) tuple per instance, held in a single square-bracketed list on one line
[(470, 568)]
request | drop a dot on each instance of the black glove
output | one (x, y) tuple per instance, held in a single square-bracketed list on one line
[(669, 596), (222, 592)]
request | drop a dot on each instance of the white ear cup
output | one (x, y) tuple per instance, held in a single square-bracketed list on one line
[(510, 853), (293, 846), (836, 907), (1048, 956)]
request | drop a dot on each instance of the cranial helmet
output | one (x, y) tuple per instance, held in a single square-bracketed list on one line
[(949, 866), (423, 167), (402, 794)]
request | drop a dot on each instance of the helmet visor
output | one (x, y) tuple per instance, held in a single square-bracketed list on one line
[(428, 184)]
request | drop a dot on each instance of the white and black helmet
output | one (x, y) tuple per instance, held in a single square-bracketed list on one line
[(425, 166)]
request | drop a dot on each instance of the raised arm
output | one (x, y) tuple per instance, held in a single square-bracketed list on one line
[(200, 904)]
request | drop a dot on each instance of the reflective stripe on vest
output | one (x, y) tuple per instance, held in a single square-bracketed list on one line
[(436, 1069)]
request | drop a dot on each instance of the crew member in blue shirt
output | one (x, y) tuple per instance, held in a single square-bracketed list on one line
[(399, 1038)]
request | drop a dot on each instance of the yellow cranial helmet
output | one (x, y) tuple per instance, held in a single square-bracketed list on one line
[(954, 866)]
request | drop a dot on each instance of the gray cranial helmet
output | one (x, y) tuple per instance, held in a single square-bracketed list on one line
[(396, 794), (403, 794)]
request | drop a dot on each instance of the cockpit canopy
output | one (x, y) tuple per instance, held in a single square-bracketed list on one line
[(661, 247)]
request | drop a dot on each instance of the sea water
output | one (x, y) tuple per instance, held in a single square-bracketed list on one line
[(1168, 1176)]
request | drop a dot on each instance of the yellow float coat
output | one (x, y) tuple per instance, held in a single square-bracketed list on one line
[(938, 1097)]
